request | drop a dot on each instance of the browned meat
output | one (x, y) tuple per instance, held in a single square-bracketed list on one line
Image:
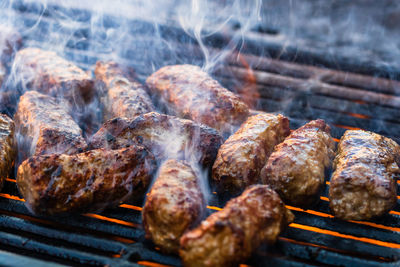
[(174, 205), (242, 156), (191, 93), (109, 71), (51, 74), (45, 126), (296, 169), (90, 181), (363, 184), (166, 136), (10, 41), (8, 149), (124, 96), (228, 237)]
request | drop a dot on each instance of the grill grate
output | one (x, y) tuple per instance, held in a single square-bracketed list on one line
[(302, 92)]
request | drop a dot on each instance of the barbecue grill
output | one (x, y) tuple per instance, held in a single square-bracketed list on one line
[(307, 88)]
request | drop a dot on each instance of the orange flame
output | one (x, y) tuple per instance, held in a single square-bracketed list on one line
[(151, 264), (126, 206), (337, 234), (108, 219), (347, 127), (248, 91), (294, 225), (357, 115)]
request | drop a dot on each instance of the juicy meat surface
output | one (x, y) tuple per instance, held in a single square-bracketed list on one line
[(363, 184), (165, 136), (191, 93), (174, 205), (10, 41), (228, 237), (296, 169), (124, 96), (242, 156), (85, 182), (8, 149), (44, 126), (48, 73)]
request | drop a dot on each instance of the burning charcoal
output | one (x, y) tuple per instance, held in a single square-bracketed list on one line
[(45, 126), (228, 237), (174, 205), (242, 156), (363, 184), (10, 41), (166, 136), (124, 96), (7, 147), (46, 72), (191, 93), (90, 181), (296, 169)]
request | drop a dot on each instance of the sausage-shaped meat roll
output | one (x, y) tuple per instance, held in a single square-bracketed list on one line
[(242, 156), (8, 151), (174, 205), (48, 73), (191, 93), (165, 136), (297, 167), (44, 126), (228, 237), (85, 182), (363, 184), (124, 97)]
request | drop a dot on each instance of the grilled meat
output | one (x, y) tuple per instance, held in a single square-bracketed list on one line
[(174, 205), (90, 181), (46, 72), (124, 96), (166, 136), (296, 169), (229, 236), (191, 93), (242, 156), (8, 150), (10, 41), (110, 71), (363, 184), (45, 126)]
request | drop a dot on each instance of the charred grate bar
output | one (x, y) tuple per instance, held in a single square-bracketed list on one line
[(302, 92)]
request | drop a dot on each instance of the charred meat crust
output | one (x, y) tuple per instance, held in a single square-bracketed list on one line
[(242, 156), (363, 184), (45, 125), (48, 73), (191, 93), (159, 132), (174, 205), (231, 235), (109, 71), (124, 96), (296, 169), (8, 151), (90, 181)]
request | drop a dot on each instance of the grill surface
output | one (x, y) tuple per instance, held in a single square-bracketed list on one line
[(302, 92)]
